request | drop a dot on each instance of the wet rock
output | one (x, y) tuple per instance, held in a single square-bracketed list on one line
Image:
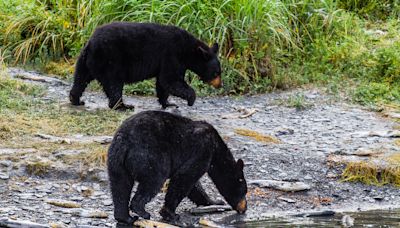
[(347, 221), (281, 185), (378, 197), (283, 131), (149, 223), (63, 203), (288, 200), (317, 214), (210, 209), (7, 222), (208, 223)]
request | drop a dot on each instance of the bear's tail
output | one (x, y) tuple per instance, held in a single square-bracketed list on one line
[(82, 77)]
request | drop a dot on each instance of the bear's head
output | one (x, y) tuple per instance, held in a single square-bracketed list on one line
[(235, 189), (207, 65)]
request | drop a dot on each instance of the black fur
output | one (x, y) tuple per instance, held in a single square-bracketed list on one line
[(123, 52), (153, 146)]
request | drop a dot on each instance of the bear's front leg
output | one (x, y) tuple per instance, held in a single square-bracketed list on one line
[(200, 197), (182, 183)]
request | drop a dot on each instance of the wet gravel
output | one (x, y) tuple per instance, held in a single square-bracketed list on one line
[(308, 137)]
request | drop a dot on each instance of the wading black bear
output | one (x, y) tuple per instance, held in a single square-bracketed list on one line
[(124, 52), (153, 146)]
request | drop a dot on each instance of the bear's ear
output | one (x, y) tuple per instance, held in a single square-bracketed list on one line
[(215, 48), (205, 53), (240, 164)]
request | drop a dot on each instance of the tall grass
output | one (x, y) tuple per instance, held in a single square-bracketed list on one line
[(265, 44)]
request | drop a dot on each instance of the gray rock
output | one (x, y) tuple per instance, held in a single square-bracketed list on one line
[(6, 222), (281, 185), (107, 202)]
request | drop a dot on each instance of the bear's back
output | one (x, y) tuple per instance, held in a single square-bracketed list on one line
[(141, 37)]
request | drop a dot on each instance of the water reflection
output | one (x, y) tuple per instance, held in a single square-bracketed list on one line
[(376, 218)]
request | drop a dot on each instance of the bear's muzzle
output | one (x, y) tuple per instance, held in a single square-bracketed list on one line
[(241, 207), (216, 82)]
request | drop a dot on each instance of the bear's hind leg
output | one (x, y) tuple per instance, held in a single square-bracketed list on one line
[(78, 87), (146, 191), (200, 197), (121, 187)]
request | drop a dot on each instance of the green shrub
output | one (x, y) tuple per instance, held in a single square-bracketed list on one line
[(374, 9)]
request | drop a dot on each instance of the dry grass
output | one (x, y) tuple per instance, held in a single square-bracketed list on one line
[(25, 114), (38, 168), (257, 136)]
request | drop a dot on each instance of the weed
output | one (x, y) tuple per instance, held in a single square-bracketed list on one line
[(38, 168), (298, 101), (257, 136)]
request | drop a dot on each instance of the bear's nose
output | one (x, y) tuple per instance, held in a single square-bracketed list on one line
[(241, 207), (216, 82)]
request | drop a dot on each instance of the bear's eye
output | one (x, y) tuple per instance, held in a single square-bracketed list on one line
[(240, 180)]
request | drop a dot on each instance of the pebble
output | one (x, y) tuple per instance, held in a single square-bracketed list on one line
[(308, 138), (107, 202)]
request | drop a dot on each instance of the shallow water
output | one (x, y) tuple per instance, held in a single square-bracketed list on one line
[(376, 218)]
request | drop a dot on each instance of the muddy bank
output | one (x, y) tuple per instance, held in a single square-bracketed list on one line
[(302, 143)]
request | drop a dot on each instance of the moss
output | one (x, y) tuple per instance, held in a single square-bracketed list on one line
[(370, 173), (257, 136), (361, 171)]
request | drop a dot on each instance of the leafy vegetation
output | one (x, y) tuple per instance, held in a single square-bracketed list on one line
[(265, 45)]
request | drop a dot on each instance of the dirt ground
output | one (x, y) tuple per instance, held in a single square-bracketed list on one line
[(276, 139)]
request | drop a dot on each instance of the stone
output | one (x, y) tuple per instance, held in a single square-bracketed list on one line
[(63, 203), (288, 200), (7, 222), (347, 221), (283, 131), (107, 202), (210, 209), (281, 185)]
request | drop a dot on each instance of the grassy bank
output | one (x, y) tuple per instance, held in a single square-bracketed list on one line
[(265, 45), (24, 114)]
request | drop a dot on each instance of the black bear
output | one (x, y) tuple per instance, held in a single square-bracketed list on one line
[(152, 146), (124, 52)]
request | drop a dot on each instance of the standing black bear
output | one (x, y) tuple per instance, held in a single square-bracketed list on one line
[(124, 52), (152, 146)]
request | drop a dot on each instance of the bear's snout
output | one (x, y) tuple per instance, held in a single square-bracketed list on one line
[(241, 207), (216, 82)]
